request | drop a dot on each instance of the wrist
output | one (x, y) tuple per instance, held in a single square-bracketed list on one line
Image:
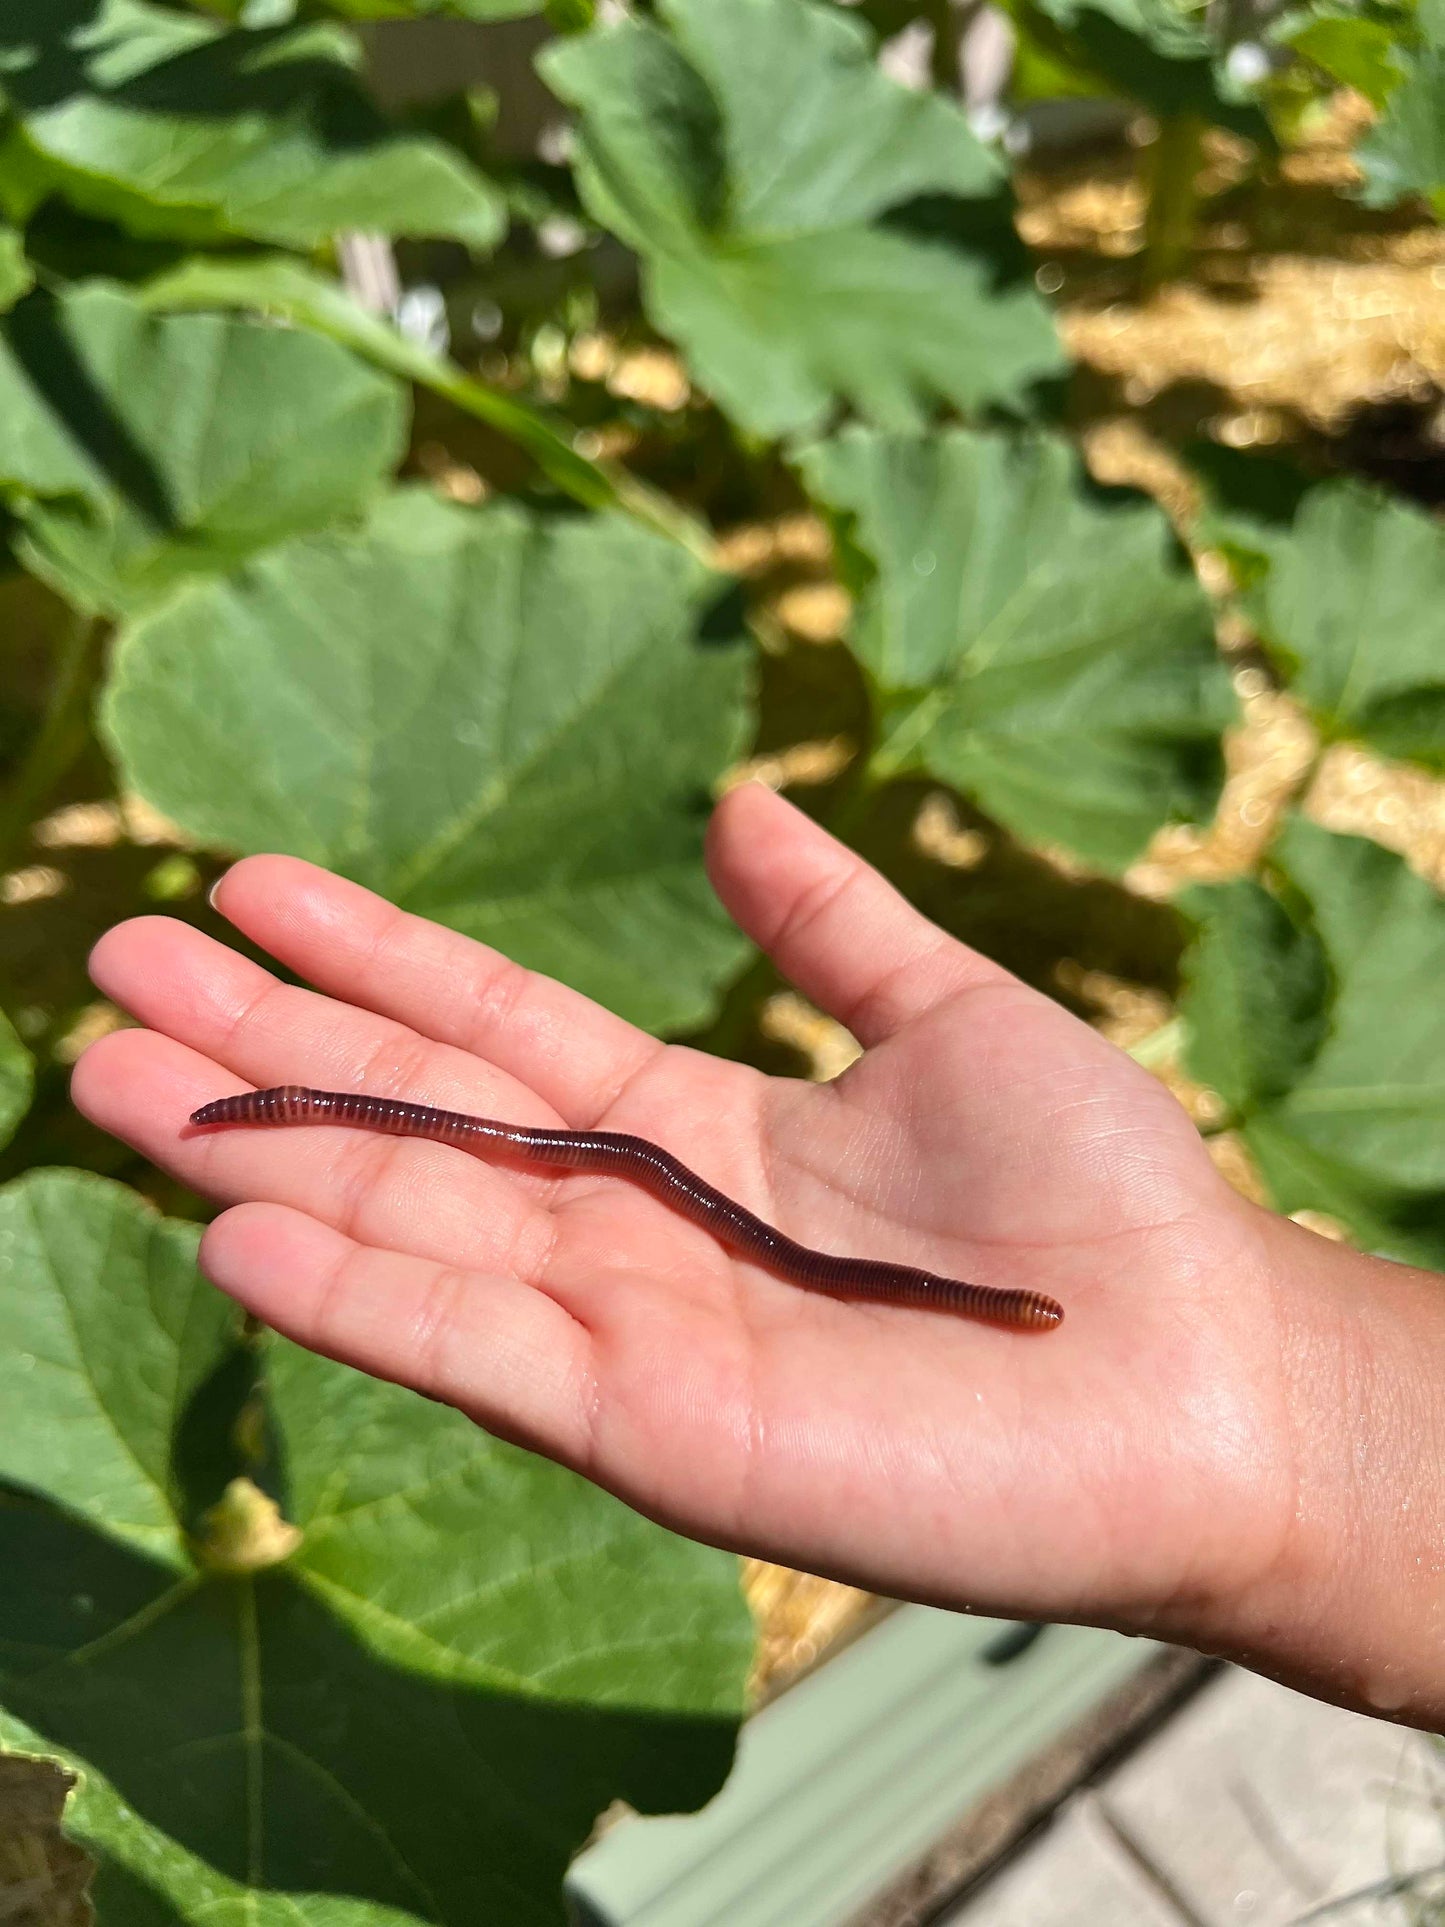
[(1352, 1605)]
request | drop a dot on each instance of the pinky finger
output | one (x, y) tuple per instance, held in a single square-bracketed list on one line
[(502, 1352)]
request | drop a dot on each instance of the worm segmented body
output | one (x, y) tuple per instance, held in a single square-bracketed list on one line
[(646, 1164)]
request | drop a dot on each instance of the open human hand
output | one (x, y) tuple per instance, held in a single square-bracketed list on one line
[(1157, 1462)]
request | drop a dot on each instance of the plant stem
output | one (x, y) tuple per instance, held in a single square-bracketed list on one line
[(948, 25), (1173, 185), (60, 738), (279, 286)]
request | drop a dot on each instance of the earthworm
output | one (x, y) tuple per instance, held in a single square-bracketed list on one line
[(659, 1171)]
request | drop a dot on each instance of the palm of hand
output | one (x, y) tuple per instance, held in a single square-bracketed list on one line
[(1104, 1471)]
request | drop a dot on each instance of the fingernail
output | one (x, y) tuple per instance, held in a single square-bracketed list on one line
[(213, 894)]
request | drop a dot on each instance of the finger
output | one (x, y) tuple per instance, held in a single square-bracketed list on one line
[(502, 1351), (356, 945), (846, 938), (175, 979), (400, 1193)]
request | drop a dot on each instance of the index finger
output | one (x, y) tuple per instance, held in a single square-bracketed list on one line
[(355, 945)]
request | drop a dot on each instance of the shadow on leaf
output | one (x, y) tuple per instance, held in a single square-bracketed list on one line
[(250, 1743)]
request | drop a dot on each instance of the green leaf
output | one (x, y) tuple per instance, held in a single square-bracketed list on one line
[(1250, 501), (276, 286), (506, 722), (17, 1079), (773, 181), (106, 1331), (1359, 49), (138, 450), (172, 125), (1044, 648), (1351, 609), (1319, 1017), (17, 277), (415, 1713), (1404, 152), (1152, 51), (1257, 987)]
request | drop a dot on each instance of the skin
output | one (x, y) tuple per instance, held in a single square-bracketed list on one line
[(1234, 1440)]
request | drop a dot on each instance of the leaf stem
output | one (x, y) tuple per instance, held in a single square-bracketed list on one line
[(61, 737), (948, 23), (279, 286), (1173, 168)]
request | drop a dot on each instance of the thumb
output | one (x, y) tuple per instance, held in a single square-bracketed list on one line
[(829, 921)]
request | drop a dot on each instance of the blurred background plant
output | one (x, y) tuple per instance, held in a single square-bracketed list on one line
[(454, 445)]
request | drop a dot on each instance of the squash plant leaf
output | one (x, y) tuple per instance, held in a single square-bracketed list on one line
[(138, 449), (504, 721), (1313, 1008), (1152, 51), (285, 290), (407, 1690), (1039, 645), (17, 277), (17, 1078), (106, 1331), (809, 230), (1350, 611), (173, 125), (1363, 49), (1403, 154)]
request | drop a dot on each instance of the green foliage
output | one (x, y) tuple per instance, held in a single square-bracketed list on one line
[(16, 275), (505, 722), (317, 1649), (1314, 1009), (1404, 153), (425, 9), (109, 1333), (1044, 649), (1359, 47), (172, 126), (139, 450), (256, 1705), (1153, 51), (787, 254), (17, 1077), (284, 290), (1351, 609)]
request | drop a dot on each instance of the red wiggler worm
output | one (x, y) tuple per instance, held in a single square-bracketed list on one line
[(660, 1172)]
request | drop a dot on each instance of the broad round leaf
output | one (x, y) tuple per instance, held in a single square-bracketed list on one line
[(106, 1332), (141, 449), (418, 1715), (1319, 1018), (17, 1076), (173, 125), (768, 174), (1044, 648), (1351, 608), (506, 722)]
